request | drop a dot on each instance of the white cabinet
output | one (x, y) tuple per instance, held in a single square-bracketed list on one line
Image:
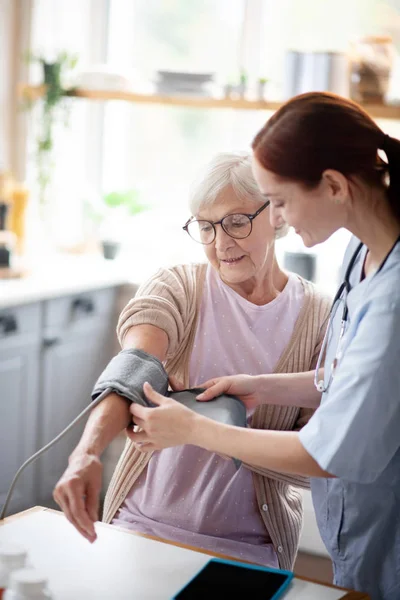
[(51, 353), (20, 343)]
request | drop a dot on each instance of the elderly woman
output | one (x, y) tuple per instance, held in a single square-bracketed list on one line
[(238, 313)]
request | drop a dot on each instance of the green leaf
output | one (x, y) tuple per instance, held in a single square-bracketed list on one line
[(128, 198), (50, 110)]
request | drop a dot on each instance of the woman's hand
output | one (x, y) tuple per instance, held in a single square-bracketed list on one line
[(78, 492), (168, 424), (245, 387)]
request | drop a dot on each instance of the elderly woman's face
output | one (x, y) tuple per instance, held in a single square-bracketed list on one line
[(238, 260)]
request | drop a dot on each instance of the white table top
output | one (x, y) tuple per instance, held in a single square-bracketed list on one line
[(119, 565)]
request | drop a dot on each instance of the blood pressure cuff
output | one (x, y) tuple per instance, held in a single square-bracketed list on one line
[(224, 409), (127, 371)]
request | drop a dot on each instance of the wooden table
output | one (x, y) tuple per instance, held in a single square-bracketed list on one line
[(121, 564)]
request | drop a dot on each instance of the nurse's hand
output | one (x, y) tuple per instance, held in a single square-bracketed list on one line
[(166, 425), (283, 389), (245, 387)]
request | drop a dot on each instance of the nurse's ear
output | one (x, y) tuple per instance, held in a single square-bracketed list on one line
[(336, 186)]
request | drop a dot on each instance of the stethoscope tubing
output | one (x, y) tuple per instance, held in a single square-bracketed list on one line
[(345, 287)]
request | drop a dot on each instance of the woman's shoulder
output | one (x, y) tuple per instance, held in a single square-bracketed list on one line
[(179, 279), (384, 285), (165, 300), (189, 269), (317, 300), (314, 291), (178, 275)]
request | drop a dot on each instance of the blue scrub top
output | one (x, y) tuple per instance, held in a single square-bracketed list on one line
[(355, 435)]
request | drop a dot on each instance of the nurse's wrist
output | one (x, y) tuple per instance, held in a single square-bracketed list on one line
[(204, 432), (271, 388), (293, 389)]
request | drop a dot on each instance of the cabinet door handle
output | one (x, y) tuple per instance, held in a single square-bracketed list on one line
[(8, 324), (49, 342), (85, 305)]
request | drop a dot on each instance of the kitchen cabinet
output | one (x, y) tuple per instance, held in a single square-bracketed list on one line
[(20, 348), (77, 344), (51, 353)]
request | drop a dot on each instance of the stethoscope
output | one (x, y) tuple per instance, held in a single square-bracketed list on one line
[(341, 295)]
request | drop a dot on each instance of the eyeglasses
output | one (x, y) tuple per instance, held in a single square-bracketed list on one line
[(237, 226)]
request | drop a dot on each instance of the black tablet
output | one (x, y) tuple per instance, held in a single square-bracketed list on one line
[(220, 578)]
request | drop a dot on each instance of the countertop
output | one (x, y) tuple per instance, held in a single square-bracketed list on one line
[(63, 276)]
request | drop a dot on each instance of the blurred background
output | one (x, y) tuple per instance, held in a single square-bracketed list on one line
[(108, 111), (118, 171)]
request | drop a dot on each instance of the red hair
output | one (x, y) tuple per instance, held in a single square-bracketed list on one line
[(317, 131)]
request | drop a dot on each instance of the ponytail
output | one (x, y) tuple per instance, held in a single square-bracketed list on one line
[(391, 147)]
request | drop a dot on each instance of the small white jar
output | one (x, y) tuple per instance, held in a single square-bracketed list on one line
[(27, 584), (12, 557)]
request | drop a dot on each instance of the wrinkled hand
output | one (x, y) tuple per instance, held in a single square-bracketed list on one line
[(242, 386), (166, 425), (77, 493)]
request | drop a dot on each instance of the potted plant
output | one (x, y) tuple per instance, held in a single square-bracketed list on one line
[(53, 109), (261, 82), (243, 80), (111, 217)]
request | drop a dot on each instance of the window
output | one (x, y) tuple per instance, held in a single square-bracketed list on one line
[(158, 150), (72, 27)]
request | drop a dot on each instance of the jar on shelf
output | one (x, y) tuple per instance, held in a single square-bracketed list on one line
[(17, 220), (7, 238), (371, 64)]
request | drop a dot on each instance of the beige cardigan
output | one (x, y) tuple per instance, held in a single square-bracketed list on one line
[(171, 301)]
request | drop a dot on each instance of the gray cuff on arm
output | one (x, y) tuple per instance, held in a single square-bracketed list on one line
[(126, 373)]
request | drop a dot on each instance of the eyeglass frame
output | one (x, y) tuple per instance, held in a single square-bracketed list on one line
[(251, 217)]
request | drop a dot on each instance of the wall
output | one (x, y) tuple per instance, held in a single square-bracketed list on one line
[(7, 23), (15, 27)]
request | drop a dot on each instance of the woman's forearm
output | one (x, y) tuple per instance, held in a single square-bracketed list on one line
[(112, 415), (105, 422), (294, 389), (279, 451)]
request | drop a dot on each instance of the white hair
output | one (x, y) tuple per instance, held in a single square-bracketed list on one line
[(227, 169)]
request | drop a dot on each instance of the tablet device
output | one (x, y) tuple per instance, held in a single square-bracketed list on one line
[(224, 578)]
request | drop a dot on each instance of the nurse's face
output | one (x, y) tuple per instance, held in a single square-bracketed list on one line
[(314, 214)]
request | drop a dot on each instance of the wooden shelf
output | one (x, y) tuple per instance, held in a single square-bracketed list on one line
[(377, 111)]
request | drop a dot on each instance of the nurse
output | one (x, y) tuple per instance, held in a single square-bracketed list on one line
[(318, 162)]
